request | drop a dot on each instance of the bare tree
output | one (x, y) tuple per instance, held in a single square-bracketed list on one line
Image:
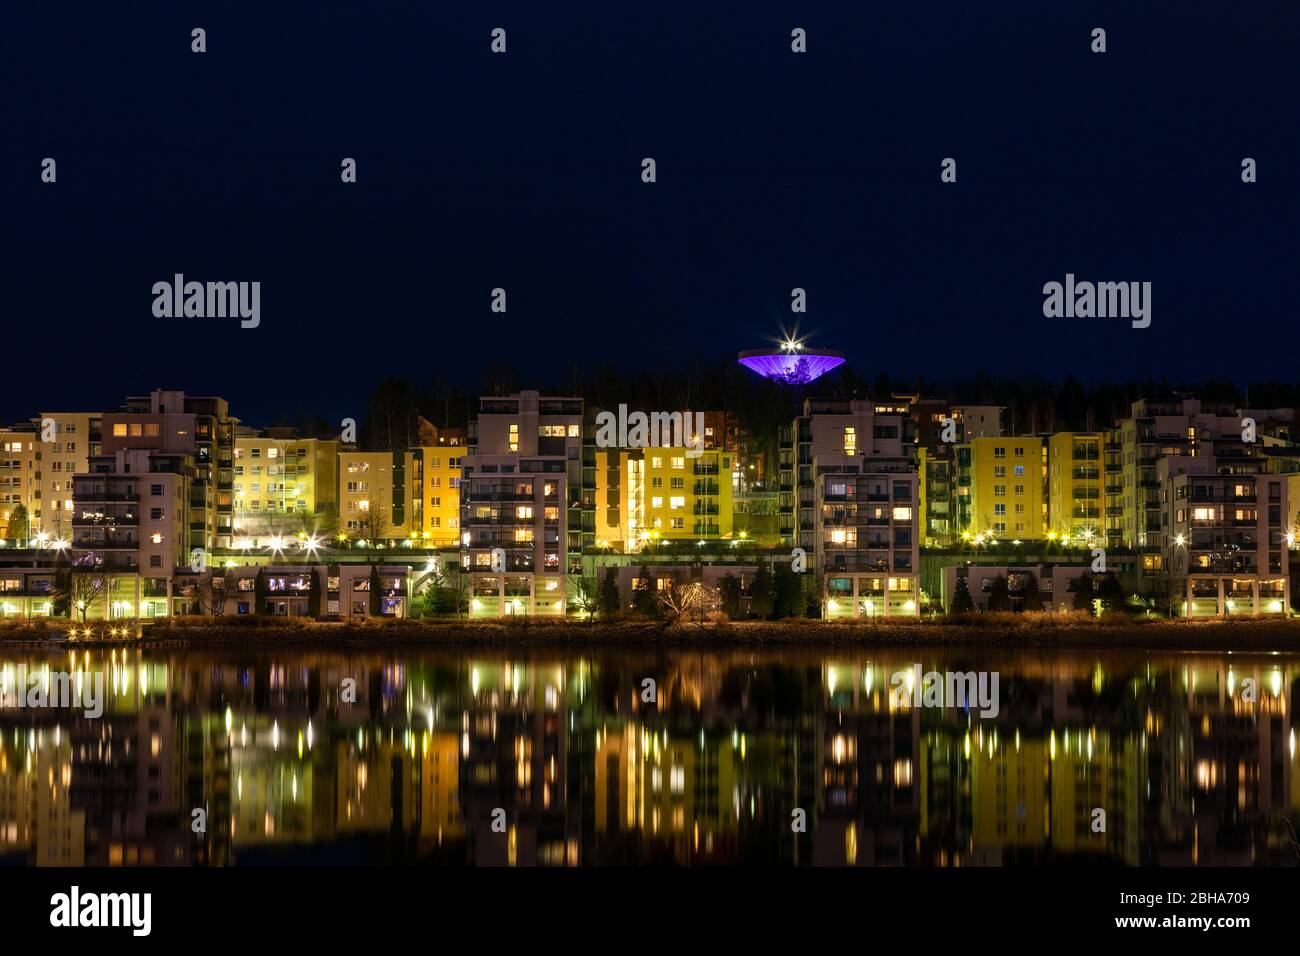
[(372, 525), (584, 593), (86, 587), (681, 595), (217, 594)]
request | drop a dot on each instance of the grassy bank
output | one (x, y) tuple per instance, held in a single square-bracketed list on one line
[(1004, 630)]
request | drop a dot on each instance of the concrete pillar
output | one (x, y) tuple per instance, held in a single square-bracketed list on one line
[(1223, 608), (1254, 595)]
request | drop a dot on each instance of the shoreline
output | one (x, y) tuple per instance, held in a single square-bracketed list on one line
[(1253, 636)]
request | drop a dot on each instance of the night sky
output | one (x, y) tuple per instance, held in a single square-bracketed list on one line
[(522, 171)]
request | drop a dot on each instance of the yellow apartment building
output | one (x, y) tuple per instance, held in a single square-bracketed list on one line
[(379, 494), (77, 436), (280, 479), (1003, 479), (440, 494), (645, 494), (19, 469), (1075, 499)]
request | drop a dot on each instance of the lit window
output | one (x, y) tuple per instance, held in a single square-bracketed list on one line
[(902, 514)]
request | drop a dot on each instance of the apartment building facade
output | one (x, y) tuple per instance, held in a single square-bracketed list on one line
[(1075, 486), (440, 510), (77, 436), (1224, 534), (169, 420), (380, 494), (19, 483), (653, 494), (527, 497), (1156, 429), (850, 499), (131, 528), (282, 482), (1000, 488)]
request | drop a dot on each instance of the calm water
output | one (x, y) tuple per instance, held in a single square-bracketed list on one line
[(584, 772)]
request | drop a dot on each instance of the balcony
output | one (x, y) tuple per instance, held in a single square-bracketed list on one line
[(109, 543), (103, 520), (82, 497)]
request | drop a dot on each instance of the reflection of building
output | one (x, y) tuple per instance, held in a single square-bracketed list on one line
[(1031, 793), (868, 793), (681, 791), (1193, 759)]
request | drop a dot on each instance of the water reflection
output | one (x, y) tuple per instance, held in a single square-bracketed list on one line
[(1193, 759)]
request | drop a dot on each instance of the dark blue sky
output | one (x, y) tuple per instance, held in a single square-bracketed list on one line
[(523, 171)]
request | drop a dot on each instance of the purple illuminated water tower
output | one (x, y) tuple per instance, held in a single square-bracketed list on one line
[(791, 363)]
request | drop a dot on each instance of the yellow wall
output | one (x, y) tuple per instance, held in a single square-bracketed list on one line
[(302, 469), (18, 478), (636, 496), (366, 481), (994, 481), (1076, 502), (440, 518), (61, 459)]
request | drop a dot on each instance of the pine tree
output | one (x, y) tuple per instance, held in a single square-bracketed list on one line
[(609, 603), (376, 592), (999, 595), (1111, 593), (645, 600), (761, 594), (1083, 592), (961, 601), (1033, 599), (786, 592), (729, 592), (313, 593)]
